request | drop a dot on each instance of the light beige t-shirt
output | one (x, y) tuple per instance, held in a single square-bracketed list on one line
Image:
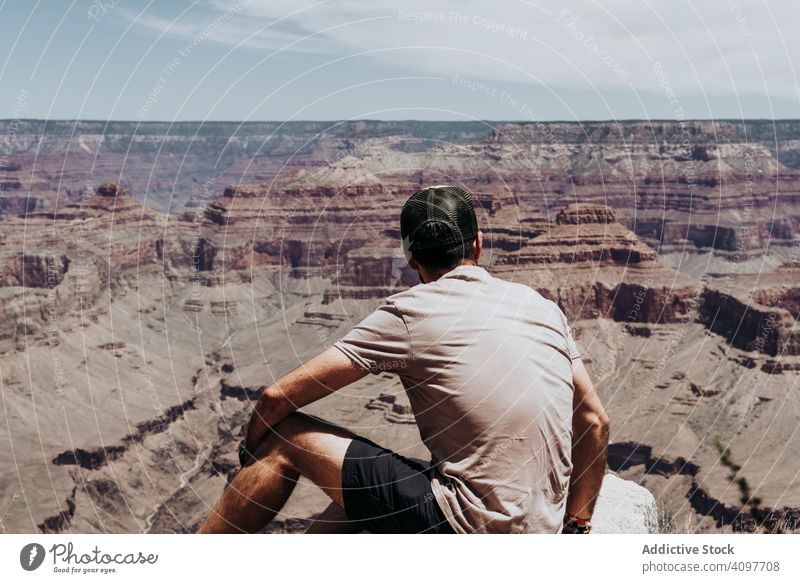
[(487, 365)]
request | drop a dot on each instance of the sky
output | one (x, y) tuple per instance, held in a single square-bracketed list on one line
[(258, 60)]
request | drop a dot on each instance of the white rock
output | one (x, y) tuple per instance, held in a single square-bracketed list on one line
[(623, 507)]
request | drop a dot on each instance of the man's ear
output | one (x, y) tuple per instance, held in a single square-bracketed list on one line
[(478, 245), (412, 263)]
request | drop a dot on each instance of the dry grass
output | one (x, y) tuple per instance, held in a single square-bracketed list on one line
[(755, 518)]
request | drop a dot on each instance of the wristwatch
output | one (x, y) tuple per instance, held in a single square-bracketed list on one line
[(575, 525)]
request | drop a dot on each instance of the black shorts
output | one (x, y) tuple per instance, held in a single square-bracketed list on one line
[(385, 492)]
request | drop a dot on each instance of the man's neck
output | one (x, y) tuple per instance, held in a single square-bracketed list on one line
[(434, 275)]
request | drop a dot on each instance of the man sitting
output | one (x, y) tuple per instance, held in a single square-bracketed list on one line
[(516, 432)]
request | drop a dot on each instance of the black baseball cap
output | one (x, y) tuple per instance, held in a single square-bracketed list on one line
[(447, 207)]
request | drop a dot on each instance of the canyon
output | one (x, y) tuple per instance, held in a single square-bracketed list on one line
[(155, 277)]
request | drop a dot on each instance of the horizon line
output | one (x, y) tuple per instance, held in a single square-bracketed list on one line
[(340, 120)]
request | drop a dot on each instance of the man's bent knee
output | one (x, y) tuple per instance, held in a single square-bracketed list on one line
[(294, 433), (311, 447), (278, 436)]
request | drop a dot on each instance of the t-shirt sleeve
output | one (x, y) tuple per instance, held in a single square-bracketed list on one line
[(380, 342), (574, 353)]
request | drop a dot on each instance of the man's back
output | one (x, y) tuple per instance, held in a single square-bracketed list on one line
[(496, 384), (487, 367)]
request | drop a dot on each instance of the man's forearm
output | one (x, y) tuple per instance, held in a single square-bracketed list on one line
[(314, 379), (589, 452)]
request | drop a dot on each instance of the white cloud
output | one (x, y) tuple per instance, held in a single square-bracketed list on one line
[(730, 47)]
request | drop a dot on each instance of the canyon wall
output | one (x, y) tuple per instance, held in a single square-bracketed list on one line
[(144, 336)]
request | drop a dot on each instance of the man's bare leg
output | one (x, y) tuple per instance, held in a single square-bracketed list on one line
[(298, 445), (333, 520)]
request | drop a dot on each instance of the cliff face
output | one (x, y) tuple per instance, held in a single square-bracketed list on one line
[(34, 270), (178, 165), (707, 184), (751, 326), (155, 332)]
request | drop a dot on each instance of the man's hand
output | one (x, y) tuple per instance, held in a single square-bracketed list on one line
[(590, 428), (327, 372)]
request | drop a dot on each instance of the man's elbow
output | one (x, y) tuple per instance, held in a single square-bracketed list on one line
[(602, 421), (603, 425), (594, 422), (274, 403), (598, 422)]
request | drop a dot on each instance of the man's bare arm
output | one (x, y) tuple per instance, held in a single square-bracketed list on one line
[(590, 426), (324, 374)]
